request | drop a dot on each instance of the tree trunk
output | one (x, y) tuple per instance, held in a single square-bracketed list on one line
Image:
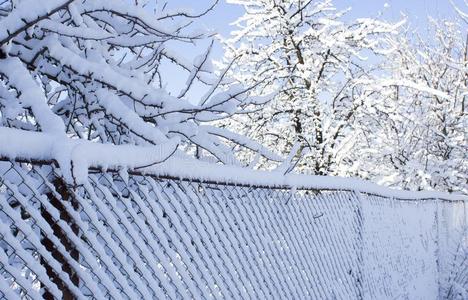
[(65, 194)]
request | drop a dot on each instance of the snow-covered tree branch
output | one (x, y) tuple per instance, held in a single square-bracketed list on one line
[(93, 70)]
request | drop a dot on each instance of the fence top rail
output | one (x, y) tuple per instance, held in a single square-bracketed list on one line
[(208, 173), (233, 175), (77, 157)]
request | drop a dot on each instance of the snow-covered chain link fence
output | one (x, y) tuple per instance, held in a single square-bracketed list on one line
[(143, 237)]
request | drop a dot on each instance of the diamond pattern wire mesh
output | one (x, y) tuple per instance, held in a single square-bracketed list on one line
[(145, 237)]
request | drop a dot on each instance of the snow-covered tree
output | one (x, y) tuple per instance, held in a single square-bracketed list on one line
[(311, 60), (97, 70), (419, 121)]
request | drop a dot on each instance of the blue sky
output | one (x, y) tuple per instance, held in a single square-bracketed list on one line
[(224, 14), (417, 10)]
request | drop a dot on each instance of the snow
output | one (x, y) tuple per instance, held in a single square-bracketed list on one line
[(191, 169), (31, 96), (76, 156), (28, 11), (152, 237), (83, 88), (84, 32), (115, 108), (242, 140), (157, 160), (419, 86)]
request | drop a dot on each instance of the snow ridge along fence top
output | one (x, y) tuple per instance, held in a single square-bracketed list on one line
[(76, 158), (186, 230), (202, 172)]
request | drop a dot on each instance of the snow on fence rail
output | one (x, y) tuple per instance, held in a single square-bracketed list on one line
[(168, 233)]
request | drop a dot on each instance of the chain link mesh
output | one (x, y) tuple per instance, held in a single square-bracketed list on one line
[(145, 237)]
